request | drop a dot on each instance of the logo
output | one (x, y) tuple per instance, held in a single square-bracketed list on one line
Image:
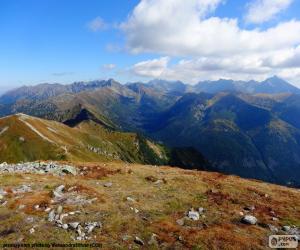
[(283, 241)]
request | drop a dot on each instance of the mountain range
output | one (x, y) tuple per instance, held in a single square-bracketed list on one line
[(251, 129)]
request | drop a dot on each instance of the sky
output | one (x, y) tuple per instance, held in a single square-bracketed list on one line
[(130, 40)]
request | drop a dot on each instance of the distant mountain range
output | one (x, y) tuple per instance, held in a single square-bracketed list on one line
[(251, 129)]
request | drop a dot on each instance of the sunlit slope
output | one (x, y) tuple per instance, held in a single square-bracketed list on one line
[(26, 138)]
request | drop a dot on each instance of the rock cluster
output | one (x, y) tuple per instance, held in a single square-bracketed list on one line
[(38, 168), (82, 230)]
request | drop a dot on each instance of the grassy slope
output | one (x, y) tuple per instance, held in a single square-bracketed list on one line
[(223, 197), (58, 142)]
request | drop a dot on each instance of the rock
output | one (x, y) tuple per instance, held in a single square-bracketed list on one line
[(130, 199), (3, 192), (74, 225), (108, 184), (250, 208), (22, 189), (29, 219), (139, 241), (21, 206), (65, 226), (1, 197), (201, 210), (32, 230), (273, 229), (59, 189), (193, 215), (37, 207), (59, 209), (21, 139), (69, 170), (275, 219), (286, 228), (249, 219), (153, 240), (180, 222), (51, 216), (90, 226), (47, 209)]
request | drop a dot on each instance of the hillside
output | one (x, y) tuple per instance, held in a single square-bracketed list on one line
[(26, 138), (240, 131), (126, 206)]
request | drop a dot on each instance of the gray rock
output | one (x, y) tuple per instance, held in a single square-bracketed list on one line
[(108, 184), (139, 241), (193, 215), (201, 210), (65, 226), (153, 240), (249, 219), (273, 229), (286, 228), (51, 216), (180, 222), (130, 199), (74, 225)]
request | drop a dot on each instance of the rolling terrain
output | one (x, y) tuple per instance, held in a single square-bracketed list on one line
[(132, 206), (246, 128)]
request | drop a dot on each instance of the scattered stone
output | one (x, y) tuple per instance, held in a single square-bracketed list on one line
[(29, 219), (4, 203), (65, 226), (51, 216), (126, 237), (22, 206), (32, 230), (38, 168), (37, 207), (59, 209), (273, 229), (21, 139), (47, 209), (249, 219), (153, 240), (201, 210), (1, 197), (108, 184), (22, 189), (74, 225), (180, 222), (241, 213), (286, 228), (130, 199), (194, 215), (139, 241), (275, 219)]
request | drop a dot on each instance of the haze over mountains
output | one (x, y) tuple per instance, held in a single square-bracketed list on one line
[(251, 129)]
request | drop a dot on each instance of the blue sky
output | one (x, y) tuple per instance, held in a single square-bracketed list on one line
[(66, 40)]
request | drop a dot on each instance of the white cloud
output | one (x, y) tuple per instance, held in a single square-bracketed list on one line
[(210, 47), (179, 28), (260, 11), (97, 24), (108, 66), (151, 68)]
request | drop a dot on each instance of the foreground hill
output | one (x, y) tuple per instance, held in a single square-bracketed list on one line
[(122, 206), (26, 138)]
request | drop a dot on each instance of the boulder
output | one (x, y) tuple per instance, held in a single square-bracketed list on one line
[(249, 219)]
